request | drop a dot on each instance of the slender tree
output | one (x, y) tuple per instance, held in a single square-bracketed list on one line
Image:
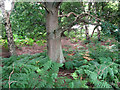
[(9, 34), (87, 33), (119, 26)]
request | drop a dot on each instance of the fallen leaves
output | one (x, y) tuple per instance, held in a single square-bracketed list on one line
[(71, 54), (86, 56)]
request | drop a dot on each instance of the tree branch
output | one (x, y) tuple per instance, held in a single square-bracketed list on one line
[(44, 6), (56, 4), (93, 31), (78, 19), (79, 15)]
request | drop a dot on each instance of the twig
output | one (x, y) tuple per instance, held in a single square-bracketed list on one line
[(99, 69), (10, 77), (96, 67), (105, 68)]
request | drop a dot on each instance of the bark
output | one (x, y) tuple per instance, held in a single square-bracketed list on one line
[(118, 36), (54, 36), (89, 6), (98, 34), (97, 10), (92, 33), (81, 30), (87, 33), (9, 34)]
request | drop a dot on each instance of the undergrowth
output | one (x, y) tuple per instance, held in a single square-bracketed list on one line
[(33, 71), (30, 71), (97, 67)]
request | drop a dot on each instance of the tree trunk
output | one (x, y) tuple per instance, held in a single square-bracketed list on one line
[(119, 28), (87, 33), (54, 36), (96, 4), (9, 34), (81, 30), (98, 34), (92, 32)]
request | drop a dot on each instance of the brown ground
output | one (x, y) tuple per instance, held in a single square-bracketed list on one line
[(66, 43), (36, 49)]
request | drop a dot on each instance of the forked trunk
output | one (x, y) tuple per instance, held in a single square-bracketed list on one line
[(54, 37)]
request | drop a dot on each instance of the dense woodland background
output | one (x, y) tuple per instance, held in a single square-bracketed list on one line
[(60, 45)]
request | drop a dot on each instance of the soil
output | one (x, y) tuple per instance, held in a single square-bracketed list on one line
[(66, 44), (36, 48)]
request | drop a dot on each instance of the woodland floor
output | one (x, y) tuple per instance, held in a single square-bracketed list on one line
[(66, 44)]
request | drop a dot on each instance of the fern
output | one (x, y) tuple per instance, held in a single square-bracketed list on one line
[(35, 71)]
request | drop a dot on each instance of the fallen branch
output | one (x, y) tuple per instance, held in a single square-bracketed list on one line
[(10, 77), (105, 68)]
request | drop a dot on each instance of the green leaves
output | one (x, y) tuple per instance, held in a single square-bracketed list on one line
[(30, 71), (74, 75), (28, 19)]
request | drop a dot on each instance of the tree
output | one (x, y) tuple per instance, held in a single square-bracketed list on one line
[(97, 10), (119, 25), (9, 34), (54, 31), (87, 33), (53, 35)]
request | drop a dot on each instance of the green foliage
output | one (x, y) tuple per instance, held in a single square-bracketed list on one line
[(34, 71), (103, 51), (27, 19), (101, 72), (104, 75), (74, 61), (67, 7), (41, 42), (111, 29), (30, 71), (21, 40), (3, 43), (37, 71)]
